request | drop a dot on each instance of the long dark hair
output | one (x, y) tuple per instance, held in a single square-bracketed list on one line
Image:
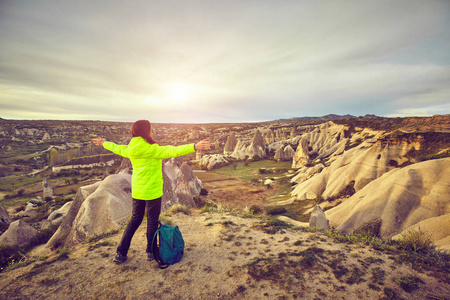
[(142, 128)]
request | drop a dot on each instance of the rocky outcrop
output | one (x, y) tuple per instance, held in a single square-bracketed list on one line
[(106, 209), (284, 154), (64, 236), (213, 161), (255, 151), (301, 156), (195, 184), (306, 173), (57, 216), (5, 220), (398, 200), (230, 144), (180, 185), (318, 219), (361, 165), (322, 141), (240, 151), (269, 136), (257, 148), (19, 234)]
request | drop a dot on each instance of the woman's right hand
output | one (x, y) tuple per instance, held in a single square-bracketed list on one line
[(98, 141)]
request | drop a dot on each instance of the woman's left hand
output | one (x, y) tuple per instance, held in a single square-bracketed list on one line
[(203, 145), (98, 141)]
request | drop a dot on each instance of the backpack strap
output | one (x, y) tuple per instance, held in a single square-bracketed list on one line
[(155, 248)]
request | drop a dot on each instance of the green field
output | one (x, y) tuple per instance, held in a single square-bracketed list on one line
[(250, 171)]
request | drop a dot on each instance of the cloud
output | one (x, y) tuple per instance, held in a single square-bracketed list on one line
[(244, 60)]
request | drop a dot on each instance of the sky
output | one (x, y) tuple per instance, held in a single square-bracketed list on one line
[(222, 61)]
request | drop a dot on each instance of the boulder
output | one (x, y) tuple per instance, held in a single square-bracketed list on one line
[(19, 234), (64, 235), (106, 209), (33, 204), (57, 216), (398, 200), (213, 161), (318, 219)]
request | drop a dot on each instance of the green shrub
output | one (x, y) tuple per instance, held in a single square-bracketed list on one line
[(275, 210), (209, 207), (417, 241), (409, 283), (9, 255), (177, 208)]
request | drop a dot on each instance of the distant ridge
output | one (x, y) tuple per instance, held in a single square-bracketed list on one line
[(328, 117)]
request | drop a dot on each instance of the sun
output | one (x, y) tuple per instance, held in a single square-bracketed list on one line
[(179, 92)]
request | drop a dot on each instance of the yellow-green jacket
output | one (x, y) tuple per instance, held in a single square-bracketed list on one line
[(147, 179)]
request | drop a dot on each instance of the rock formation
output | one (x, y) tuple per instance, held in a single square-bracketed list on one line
[(230, 144), (47, 189), (398, 200), (213, 161), (284, 154), (301, 156), (255, 151), (257, 148), (361, 164), (64, 236), (5, 220), (106, 209), (318, 219), (323, 141), (19, 234), (306, 173), (57, 216), (240, 151), (180, 185), (269, 136)]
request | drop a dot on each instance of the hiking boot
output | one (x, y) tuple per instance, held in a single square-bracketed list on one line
[(150, 256), (120, 258)]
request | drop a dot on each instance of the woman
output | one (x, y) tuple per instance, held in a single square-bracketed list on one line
[(147, 180)]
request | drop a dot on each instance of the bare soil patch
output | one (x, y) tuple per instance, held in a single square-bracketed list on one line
[(235, 193)]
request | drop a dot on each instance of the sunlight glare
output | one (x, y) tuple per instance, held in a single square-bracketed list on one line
[(179, 92)]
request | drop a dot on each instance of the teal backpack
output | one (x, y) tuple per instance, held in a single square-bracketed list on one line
[(167, 245)]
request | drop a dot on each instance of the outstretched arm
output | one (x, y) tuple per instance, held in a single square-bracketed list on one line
[(121, 150)]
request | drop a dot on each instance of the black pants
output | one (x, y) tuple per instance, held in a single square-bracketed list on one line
[(153, 211)]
